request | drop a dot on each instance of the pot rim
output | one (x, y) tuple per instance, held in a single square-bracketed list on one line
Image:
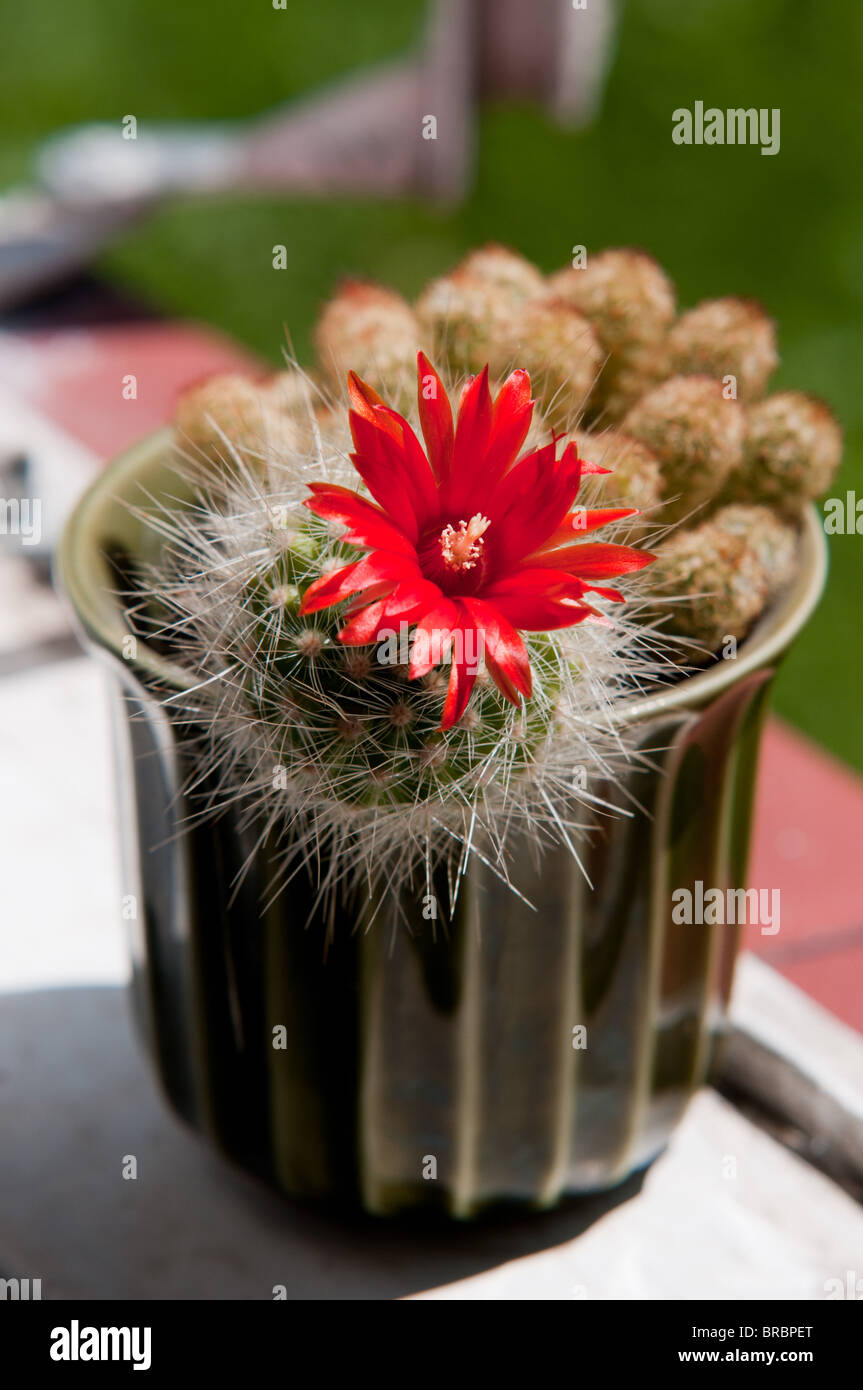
[(83, 577)]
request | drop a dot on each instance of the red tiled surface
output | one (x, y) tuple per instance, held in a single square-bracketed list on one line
[(807, 836), (834, 977), (809, 809), (807, 843), (76, 375)]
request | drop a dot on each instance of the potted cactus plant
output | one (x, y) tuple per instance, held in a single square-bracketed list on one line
[(439, 668)]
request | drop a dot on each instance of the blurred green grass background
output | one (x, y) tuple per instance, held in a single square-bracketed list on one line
[(787, 230)]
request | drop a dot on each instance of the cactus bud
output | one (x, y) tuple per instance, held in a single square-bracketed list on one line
[(309, 642), (726, 337), (631, 302), (696, 434), (289, 391), (792, 450), (372, 331), (558, 347), (772, 540), (722, 573), (502, 270), (358, 663), (717, 584), (626, 295), (636, 476), (627, 378), (232, 411), (463, 312)]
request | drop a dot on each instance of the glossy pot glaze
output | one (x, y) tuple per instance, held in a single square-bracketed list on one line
[(506, 1055)]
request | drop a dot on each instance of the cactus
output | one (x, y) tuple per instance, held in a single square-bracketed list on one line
[(725, 338), (697, 435), (719, 576), (503, 271), (364, 762), (231, 411), (337, 744), (635, 471), (772, 540), (638, 371), (349, 717), (792, 449), (557, 345), (630, 301), (370, 330), (496, 307), (462, 314), (625, 294)]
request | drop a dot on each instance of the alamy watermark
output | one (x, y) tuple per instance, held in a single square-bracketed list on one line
[(711, 907), (851, 1287), (424, 647), (20, 1290), (843, 516), (77, 1343), (21, 516), (734, 126)]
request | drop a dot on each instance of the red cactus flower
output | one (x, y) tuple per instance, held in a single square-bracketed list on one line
[(468, 542)]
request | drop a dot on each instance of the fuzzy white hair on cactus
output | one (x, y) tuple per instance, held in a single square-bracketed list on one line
[(375, 782)]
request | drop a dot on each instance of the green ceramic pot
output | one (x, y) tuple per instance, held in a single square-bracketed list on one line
[(421, 1071)]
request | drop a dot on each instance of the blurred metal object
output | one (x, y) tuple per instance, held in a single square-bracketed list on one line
[(42, 473), (43, 239), (798, 1070), (369, 134), (556, 52)]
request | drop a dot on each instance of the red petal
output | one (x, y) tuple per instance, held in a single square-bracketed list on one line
[(435, 417), (580, 523), (502, 452), (531, 502), (412, 595), (541, 613), (369, 526), (369, 596), (472, 432), (513, 396), (365, 626), (417, 471), (539, 600), (595, 560), (376, 568), (505, 654), (365, 401), (512, 413), (536, 579), (501, 677), (614, 594), (520, 483), (380, 464), (432, 636), (461, 682)]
